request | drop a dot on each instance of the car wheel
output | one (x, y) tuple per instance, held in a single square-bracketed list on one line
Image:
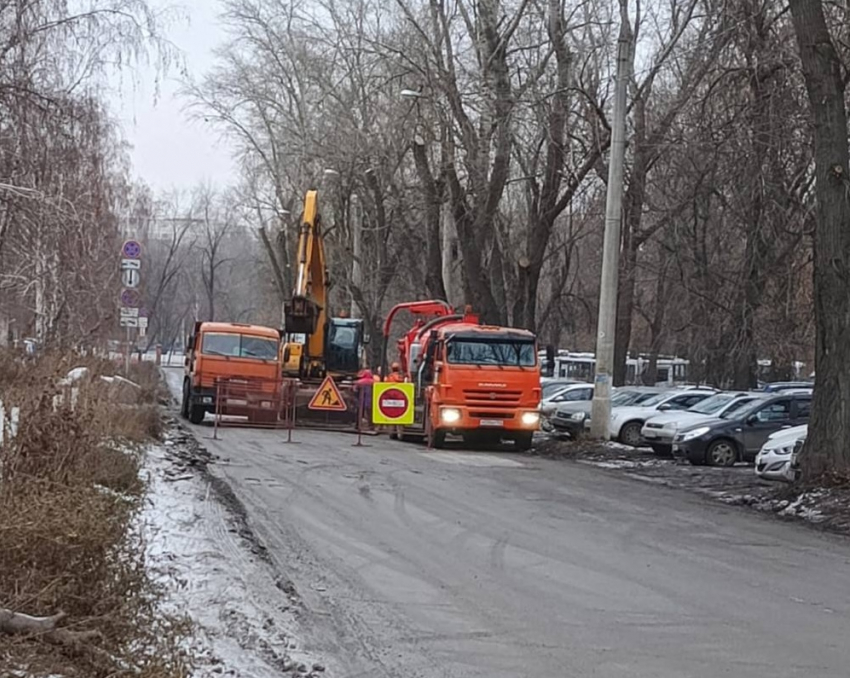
[(630, 434), (722, 453), (662, 450)]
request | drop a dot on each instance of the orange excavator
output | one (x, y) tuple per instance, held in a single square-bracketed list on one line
[(481, 382)]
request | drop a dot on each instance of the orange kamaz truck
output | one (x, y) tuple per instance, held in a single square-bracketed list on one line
[(481, 382), (245, 357)]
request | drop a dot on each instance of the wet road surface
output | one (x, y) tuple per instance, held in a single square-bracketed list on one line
[(453, 563)]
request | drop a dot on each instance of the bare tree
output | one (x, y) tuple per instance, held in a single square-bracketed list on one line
[(827, 450)]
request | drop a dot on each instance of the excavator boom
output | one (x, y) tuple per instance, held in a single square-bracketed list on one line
[(333, 344)]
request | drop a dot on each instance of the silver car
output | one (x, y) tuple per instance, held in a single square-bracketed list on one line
[(658, 431)]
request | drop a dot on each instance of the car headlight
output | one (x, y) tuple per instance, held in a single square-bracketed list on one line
[(695, 433), (449, 415), (579, 416), (788, 449), (530, 418)]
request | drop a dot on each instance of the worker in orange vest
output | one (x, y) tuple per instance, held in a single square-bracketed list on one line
[(395, 374)]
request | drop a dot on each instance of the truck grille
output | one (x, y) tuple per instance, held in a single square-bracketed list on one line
[(478, 397)]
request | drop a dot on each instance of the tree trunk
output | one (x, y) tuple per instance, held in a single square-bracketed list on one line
[(433, 208), (828, 443)]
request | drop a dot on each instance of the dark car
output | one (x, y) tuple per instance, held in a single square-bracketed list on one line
[(779, 386), (723, 442)]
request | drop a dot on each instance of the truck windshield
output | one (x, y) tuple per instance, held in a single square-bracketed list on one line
[(240, 346), (491, 352)]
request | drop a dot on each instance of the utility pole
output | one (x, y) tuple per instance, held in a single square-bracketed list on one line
[(607, 324), (356, 250)]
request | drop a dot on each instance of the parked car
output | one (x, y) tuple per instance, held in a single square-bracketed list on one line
[(549, 387), (723, 442), (573, 418), (658, 431), (626, 422), (568, 394), (779, 386), (776, 459)]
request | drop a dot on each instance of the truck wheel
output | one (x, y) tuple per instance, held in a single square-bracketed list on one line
[(184, 403), (196, 413), (523, 441)]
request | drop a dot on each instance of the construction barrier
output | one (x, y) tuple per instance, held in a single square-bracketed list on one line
[(286, 404), (255, 403)]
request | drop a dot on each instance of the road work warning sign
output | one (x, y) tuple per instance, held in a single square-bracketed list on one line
[(328, 397), (392, 403)]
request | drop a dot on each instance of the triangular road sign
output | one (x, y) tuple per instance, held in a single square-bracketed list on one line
[(328, 397)]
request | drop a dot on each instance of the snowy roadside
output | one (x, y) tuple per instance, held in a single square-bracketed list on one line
[(216, 571), (825, 508)]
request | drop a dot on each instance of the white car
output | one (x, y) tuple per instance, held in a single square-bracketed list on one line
[(658, 431), (627, 422), (775, 460), (568, 394)]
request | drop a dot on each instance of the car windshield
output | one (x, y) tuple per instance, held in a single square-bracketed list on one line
[(551, 389), (508, 353), (240, 346), (737, 408), (713, 404), (654, 399)]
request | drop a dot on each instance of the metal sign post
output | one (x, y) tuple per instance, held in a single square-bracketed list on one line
[(130, 299)]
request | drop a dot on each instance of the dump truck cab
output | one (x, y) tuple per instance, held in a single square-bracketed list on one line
[(481, 382), (235, 353)]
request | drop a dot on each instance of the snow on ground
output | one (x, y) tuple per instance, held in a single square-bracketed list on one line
[(245, 618)]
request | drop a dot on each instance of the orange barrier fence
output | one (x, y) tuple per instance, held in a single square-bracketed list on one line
[(255, 403)]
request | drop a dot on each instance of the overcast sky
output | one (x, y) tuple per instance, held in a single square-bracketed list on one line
[(170, 150)]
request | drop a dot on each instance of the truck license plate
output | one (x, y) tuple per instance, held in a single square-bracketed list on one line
[(491, 422)]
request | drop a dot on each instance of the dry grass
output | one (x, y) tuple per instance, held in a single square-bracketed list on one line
[(69, 495)]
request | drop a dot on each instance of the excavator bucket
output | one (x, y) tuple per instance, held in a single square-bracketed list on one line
[(301, 315)]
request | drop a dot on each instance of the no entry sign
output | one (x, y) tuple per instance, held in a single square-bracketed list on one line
[(392, 403)]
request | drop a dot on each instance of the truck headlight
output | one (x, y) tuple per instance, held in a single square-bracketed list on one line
[(449, 415), (530, 418)]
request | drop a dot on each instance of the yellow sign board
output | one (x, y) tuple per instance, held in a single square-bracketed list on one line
[(328, 397), (392, 403)]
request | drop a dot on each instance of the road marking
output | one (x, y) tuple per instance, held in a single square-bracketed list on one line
[(472, 459)]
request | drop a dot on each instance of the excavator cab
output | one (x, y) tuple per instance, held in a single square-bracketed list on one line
[(344, 341)]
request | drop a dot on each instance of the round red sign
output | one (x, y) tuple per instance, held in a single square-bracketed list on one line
[(392, 403)]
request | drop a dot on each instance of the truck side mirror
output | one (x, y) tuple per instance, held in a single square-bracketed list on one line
[(190, 342)]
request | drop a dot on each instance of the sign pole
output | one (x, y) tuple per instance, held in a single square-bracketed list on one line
[(127, 355), (360, 399)]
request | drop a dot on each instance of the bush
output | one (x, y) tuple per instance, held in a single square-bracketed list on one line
[(70, 492)]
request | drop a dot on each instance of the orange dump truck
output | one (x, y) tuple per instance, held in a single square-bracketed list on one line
[(247, 358), (478, 381)]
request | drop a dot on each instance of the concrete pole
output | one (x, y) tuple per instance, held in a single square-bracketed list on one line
[(356, 251), (601, 411)]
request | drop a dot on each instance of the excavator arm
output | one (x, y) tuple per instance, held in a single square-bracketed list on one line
[(305, 313), (333, 344)]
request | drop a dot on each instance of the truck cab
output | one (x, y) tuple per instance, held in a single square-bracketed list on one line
[(234, 353), (480, 382)]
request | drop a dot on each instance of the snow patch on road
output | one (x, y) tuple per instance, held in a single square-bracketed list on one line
[(245, 619)]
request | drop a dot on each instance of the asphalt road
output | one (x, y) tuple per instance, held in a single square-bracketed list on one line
[(447, 564)]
